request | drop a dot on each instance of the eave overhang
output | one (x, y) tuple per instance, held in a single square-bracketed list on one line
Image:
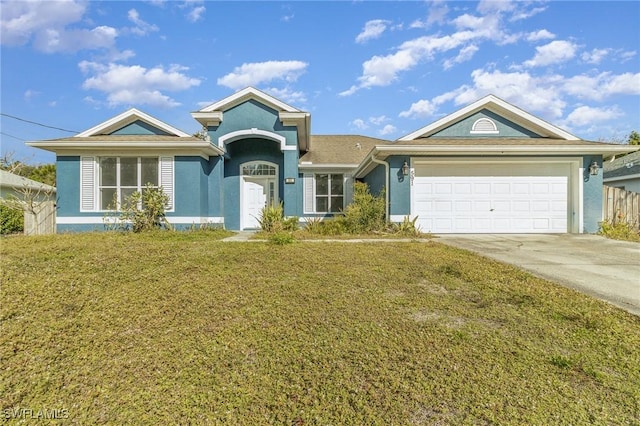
[(381, 152), (204, 149)]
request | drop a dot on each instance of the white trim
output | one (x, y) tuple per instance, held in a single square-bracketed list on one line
[(99, 220), (244, 95), (503, 108), (493, 131), (617, 178), (203, 149), (129, 117), (241, 134), (208, 119)]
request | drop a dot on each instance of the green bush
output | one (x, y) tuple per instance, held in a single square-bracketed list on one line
[(407, 227), (619, 230), (11, 220), (143, 211), (272, 219), (367, 212), (281, 238)]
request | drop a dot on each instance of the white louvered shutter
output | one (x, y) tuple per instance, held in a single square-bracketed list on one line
[(166, 179), (308, 193), (87, 184), (348, 189)]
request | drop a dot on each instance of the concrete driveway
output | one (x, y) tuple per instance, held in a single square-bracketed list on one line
[(606, 269)]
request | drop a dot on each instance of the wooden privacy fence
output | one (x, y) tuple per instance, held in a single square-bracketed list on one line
[(40, 219), (620, 205)]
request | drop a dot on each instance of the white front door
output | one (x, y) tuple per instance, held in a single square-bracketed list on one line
[(257, 192)]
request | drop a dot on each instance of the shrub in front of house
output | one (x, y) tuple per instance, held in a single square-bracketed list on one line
[(11, 220)]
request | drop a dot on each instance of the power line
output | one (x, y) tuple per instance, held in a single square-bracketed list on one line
[(11, 136), (37, 124)]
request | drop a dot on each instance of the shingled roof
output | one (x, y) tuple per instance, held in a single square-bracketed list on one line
[(623, 166)]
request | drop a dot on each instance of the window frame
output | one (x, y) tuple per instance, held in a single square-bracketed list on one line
[(329, 196), (118, 185)]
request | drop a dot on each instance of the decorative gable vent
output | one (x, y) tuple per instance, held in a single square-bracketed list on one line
[(484, 126)]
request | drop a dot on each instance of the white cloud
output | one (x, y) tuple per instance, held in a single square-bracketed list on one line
[(30, 94), (471, 30), (136, 85), (196, 13), (287, 95), (586, 115), (378, 120), (252, 74), (421, 109), (142, 27), (387, 130), (595, 56), (465, 54), (372, 30), (540, 35), (359, 123), (557, 51), (46, 22), (598, 87), (627, 55)]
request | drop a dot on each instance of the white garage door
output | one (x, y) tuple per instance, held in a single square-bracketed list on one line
[(491, 204)]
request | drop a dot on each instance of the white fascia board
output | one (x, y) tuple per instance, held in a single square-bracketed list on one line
[(514, 113), (246, 94), (199, 148), (128, 117), (388, 150), (617, 178), (207, 119), (310, 167), (300, 120)]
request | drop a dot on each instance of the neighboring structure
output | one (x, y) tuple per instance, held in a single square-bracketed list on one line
[(17, 187), (36, 199), (624, 172), (489, 167)]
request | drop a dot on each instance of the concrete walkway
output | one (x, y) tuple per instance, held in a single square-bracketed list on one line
[(606, 269)]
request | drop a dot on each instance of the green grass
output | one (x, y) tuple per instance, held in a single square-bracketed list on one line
[(174, 328)]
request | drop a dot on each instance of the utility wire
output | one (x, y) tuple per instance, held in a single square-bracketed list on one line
[(37, 124), (11, 136)]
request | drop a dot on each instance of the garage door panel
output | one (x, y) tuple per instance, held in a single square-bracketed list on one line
[(491, 203)]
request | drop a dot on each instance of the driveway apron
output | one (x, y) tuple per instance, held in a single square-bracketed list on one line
[(606, 269)]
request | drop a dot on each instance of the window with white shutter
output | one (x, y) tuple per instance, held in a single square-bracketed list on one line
[(87, 184)]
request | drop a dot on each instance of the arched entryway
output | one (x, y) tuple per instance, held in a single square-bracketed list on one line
[(258, 188)]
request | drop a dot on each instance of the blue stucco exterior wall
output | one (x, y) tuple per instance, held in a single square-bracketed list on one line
[(68, 185), (251, 114), (399, 186), (592, 195), (376, 179), (507, 129), (139, 127)]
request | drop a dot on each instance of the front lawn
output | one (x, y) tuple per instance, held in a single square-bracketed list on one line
[(183, 329)]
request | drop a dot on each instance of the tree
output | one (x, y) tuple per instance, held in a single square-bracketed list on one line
[(634, 138)]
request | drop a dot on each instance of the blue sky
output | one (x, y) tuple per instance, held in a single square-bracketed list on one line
[(381, 69)]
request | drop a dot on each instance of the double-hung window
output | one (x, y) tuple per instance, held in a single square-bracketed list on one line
[(119, 177), (329, 193)]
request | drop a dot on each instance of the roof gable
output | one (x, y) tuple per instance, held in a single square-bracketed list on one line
[(490, 103), (246, 94), (482, 124), (133, 122)]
